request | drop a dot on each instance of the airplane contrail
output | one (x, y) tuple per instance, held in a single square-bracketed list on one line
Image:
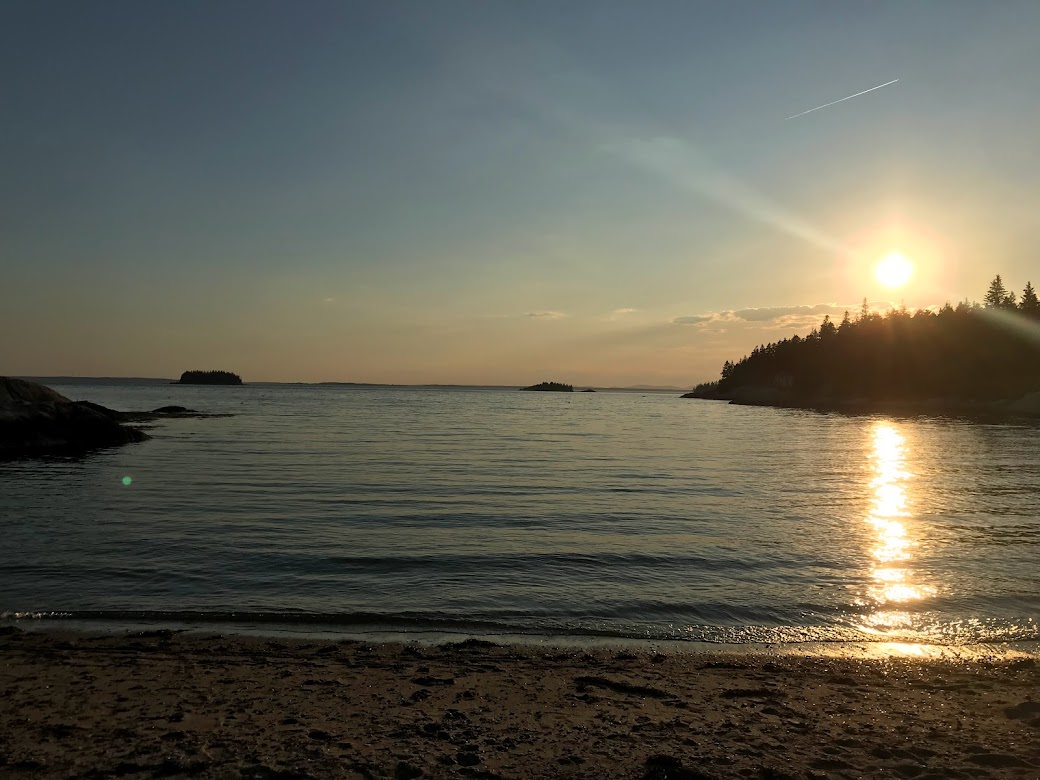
[(864, 92)]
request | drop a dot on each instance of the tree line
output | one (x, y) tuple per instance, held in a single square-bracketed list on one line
[(970, 351)]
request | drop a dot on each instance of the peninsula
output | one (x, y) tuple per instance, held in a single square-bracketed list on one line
[(965, 359)]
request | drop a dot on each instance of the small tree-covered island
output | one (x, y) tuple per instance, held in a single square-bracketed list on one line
[(553, 387), (210, 378), (966, 358)]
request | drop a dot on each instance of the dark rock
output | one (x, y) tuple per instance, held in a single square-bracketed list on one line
[(1026, 709), (769, 773), (20, 391), (111, 414), (467, 759), (999, 761), (434, 680), (670, 768), (35, 420), (406, 771)]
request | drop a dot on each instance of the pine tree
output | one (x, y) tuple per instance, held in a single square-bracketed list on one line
[(1030, 306), (996, 296)]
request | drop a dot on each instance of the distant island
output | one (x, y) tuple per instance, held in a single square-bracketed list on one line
[(210, 378), (553, 387), (968, 358)]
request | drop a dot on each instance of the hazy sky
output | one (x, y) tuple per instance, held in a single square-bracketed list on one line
[(489, 192)]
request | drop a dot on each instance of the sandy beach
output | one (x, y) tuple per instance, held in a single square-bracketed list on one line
[(163, 704)]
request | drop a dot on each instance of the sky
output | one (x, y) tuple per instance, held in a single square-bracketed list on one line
[(600, 193)]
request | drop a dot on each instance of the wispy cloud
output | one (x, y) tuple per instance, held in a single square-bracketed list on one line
[(618, 314), (545, 315), (769, 313), (694, 319), (782, 316), (801, 316)]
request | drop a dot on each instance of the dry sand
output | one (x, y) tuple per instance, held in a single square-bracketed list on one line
[(186, 705)]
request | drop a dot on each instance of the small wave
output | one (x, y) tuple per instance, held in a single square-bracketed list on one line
[(406, 624)]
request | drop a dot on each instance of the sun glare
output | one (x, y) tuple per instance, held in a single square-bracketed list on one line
[(894, 270)]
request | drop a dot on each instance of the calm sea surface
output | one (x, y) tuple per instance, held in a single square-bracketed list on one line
[(491, 511)]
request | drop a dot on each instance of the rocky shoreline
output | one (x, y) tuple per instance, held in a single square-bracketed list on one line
[(37, 421)]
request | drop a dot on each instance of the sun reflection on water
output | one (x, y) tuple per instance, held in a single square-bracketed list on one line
[(893, 587)]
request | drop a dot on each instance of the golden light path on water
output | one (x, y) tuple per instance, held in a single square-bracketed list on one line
[(891, 522)]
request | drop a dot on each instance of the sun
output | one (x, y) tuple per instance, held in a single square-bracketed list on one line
[(894, 270)]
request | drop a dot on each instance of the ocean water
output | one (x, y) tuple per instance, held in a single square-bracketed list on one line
[(491, 511)]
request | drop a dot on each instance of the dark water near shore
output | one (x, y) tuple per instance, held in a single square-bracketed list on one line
[(491, 511)]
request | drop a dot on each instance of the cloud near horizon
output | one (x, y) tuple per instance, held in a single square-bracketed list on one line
[(803, 315), (780, 317), (545, 315)]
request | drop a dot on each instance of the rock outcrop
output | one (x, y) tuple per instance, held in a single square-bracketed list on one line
[(35, 420)]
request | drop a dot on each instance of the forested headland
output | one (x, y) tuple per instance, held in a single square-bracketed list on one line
[(961, 355)]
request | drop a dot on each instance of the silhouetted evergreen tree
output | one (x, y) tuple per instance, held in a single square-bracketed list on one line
[(996, 295), (1030, 306), (828, 329)]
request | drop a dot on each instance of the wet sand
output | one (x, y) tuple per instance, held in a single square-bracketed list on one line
[(162, 704)]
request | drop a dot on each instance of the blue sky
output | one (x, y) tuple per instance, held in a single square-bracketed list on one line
[(491, 192)]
